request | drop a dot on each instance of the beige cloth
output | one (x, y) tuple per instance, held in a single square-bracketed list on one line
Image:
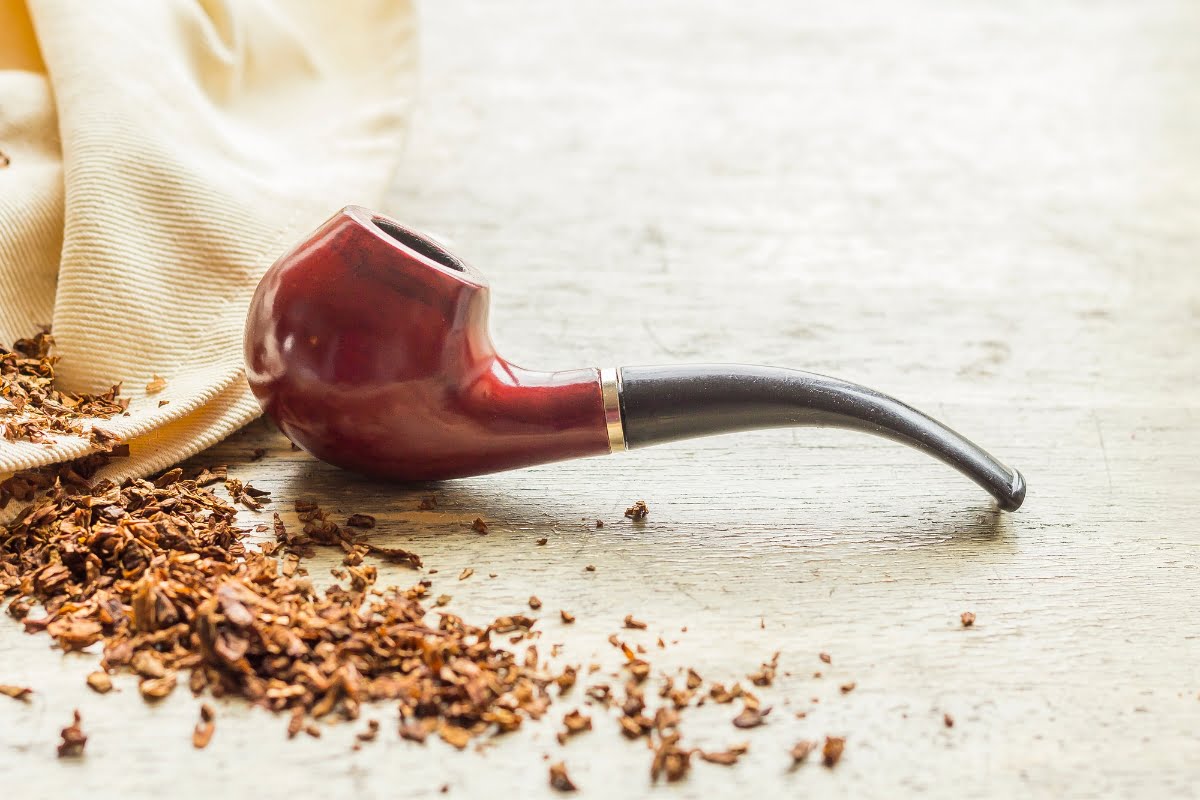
[(163, 153)]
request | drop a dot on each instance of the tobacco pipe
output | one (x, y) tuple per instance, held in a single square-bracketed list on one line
[(368, 345)]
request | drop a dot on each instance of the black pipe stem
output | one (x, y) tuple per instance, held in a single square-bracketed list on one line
[(669, 403)]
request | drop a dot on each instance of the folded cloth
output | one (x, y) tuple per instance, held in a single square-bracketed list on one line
[(160, 155)]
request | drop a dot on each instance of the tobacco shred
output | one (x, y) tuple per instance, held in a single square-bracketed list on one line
[(636, 512), (831, 753), (828, 659), (847, 688), (534, 602), (670, 759), (361, 521), (157, 384), (720, 694), (479, 526), (751, 717), (73, 738), (968, 618), (800, 751), (16, 692), (99, 681), (727, 757), (203, 732), (948, 720), (559, 779), (574, 723), (630, 622), (765, 675)]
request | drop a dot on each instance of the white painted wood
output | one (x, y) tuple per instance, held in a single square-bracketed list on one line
[(990, 210)]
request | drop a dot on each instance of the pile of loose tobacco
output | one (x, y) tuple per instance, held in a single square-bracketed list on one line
[(159, 572), (33, 409)]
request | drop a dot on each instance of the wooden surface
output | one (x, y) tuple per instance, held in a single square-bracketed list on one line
[(989, 210)]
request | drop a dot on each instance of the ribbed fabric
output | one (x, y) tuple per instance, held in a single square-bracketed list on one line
[(162, 155)]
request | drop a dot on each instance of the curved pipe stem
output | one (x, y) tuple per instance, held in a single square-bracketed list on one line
[(664, 404)]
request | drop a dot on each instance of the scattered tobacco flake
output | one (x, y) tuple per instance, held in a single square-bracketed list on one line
[(590, 568), (751, 717), (559, 779), (542, 541), (157, 688), (639, 669), (395, 555), (16, 692), (370, 733), (428, 503), (574, 723), (479, 526), (720, 694), (454, 735), (566, 679), (765, 675), (466, 573), (693, 679), (630, 622), (162, 403), (968, 618), (637, 512), (567, 616), (599, 523), (203, 732), (211, 475), (99, 681), (361, 521), (157, 384), (4, 160), (534, 602), (831, 753), (73, 738), (828, 659), (847, 688), (800, 751), (948, 720), (296, 723), (259, 454), (727, 757), (414, 732), (670, 759), (442, 599)]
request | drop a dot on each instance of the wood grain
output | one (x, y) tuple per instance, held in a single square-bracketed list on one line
[(989, 210)]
